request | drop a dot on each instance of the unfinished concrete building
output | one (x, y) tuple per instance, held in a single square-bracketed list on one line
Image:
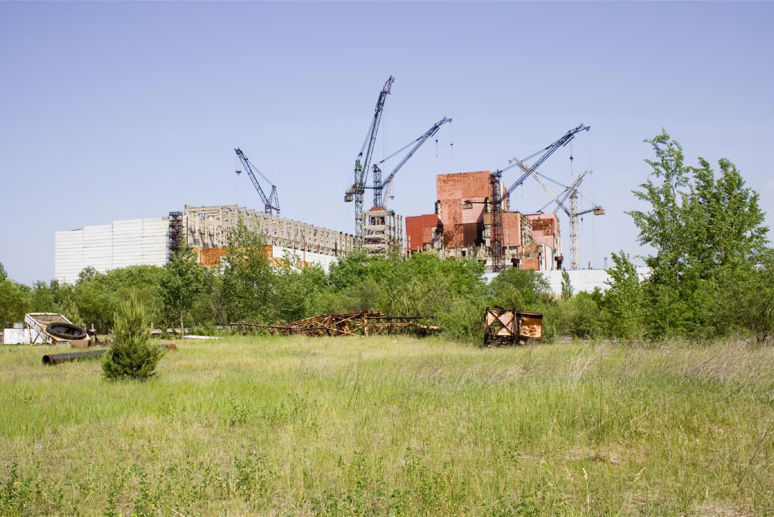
[(207, 230), (467, 223), (381, 231)]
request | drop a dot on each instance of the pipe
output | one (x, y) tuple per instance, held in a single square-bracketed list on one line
[(53, 359)]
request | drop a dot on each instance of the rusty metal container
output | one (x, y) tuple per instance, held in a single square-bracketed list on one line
[(511, 327)]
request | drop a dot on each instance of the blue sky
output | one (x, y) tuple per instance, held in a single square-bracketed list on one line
[(125, 110)]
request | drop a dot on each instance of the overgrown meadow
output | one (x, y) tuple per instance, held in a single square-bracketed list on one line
[(393, 426)]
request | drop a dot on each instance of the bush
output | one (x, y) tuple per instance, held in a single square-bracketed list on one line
[(131, 354)]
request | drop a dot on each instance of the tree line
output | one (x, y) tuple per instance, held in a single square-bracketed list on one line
[(711, 275)]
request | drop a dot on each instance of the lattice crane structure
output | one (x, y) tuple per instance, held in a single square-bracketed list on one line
[(527, 171), (383, 187), (571, 193), (363, 161), (271, 203)]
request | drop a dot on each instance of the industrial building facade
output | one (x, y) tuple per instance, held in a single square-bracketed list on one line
[(467, 224), (110, 246), (152, 241)]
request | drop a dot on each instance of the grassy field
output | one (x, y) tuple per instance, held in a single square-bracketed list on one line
[(393, 426)]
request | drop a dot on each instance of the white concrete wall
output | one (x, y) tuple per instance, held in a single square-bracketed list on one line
[(581, 280), (323, 261), (110, 246)]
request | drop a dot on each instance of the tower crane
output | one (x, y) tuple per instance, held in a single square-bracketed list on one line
[(381, 187), (546, 152), (270, 204), (496, 238), (570, 192), (363, 161)]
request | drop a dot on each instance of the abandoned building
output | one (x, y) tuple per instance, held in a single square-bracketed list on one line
[(473, 220), (151, 241)]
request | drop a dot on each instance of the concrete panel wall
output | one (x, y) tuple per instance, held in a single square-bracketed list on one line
[(110, 246), (581, 280)]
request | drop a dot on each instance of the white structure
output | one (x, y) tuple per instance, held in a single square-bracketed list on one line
[(581, 280), (119, 244), (148, 241)]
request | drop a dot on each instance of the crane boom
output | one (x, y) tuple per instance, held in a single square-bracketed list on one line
[(363, 161), (572, 211), (547, 151), (382, 186), (270, 204)]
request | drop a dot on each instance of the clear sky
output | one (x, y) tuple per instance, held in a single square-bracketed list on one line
[(115, 111)]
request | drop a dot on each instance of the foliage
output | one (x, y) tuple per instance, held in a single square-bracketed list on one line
[(298, 288), (14, 299), (520, 289), (707, 232), (247, 279), (623, 301), (567, 290), (180, 284), (579, 316), (749, 300), (131, 355)]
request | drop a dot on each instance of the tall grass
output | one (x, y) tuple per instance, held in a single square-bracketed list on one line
[(388, 426)]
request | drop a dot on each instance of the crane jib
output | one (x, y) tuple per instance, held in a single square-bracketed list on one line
[(271, 203)]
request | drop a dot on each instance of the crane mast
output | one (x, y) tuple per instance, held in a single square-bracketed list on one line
[(570, 192), (380, 187), (363, 161), (271, 203)]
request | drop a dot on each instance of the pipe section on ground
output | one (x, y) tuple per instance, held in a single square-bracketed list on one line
[(52, 359)]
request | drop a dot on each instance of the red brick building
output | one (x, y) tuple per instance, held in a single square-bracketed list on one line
[(462, 225)]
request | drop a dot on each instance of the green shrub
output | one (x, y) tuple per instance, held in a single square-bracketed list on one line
[(131, 354)]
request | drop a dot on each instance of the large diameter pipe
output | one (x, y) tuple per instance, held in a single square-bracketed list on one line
[(52, 359)]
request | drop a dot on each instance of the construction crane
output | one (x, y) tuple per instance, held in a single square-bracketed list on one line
[(570, 192), (363, 161), (381, 187), (270, 204), (546, 152), (498, 206)]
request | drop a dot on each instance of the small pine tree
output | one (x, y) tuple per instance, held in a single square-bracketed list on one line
[(131, 354)]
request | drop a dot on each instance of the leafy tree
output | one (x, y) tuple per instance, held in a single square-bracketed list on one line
[(248, 282), (96, 303), (298, 287), (181, 283), (579, 316), (521, 289), (706, 232), (14, 299), (567, 289), (131, 354), (623, 301), (750, 299)]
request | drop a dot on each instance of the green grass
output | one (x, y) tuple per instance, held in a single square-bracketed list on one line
[(393, 426)]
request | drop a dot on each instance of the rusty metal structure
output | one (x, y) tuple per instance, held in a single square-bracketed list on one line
[(365, 323), (504, 327)]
